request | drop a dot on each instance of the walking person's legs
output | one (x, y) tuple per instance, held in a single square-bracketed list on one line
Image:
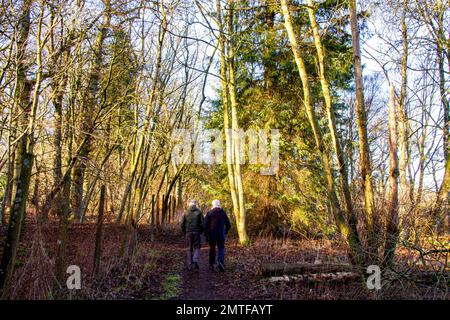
[(196, 244), (189, 250), (221, 254), (212, 252)]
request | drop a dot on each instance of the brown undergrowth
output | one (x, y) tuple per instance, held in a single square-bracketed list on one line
[(156, 270)]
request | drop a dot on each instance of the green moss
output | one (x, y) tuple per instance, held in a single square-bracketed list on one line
[(172, 286)]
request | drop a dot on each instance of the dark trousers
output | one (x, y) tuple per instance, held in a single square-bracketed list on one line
[(193, 245), (220, 244)]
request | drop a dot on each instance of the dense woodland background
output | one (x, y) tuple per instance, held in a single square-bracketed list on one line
[(91, 93)]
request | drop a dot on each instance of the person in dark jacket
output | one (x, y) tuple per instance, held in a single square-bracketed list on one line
[(192, 226), (217, 226)]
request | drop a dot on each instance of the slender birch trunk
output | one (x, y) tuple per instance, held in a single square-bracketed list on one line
[(361, 120), (308, 107), (241, 220), (422, 156), (403, 126), (443, 194), (226, 125), (393, 204), (352, 237)]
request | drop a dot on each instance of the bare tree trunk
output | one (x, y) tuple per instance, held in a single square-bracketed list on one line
[(268, 59), (158, 215), (392, 206), (63, 189), (441, 215), (180, 192), (108, 151), (422, 156), (152, 213), (403, 126), (58, 84), (98, 234), (225, 102), (307, 101), (164, 209), (241, 219), (443, 195), (9, 182), (16, 219), (361, 119), (24, 158), (61, 263), (352, 232), (89, 104), (162, 33)]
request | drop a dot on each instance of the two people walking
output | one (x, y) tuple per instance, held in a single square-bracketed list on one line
[(215, 227)]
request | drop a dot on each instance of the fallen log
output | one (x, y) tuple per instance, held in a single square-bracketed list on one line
[(280, 269), (318, 277)]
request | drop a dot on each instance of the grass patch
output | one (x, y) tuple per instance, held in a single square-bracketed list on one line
[(171, 286)]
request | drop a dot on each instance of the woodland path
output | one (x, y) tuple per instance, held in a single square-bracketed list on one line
[(205, 284)]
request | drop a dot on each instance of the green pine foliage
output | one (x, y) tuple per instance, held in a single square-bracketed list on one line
[(270, 97)]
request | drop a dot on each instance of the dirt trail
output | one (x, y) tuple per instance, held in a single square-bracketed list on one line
[(204, 284)]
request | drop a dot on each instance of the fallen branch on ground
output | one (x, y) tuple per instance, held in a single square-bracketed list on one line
[(318, 277), (280, 269)]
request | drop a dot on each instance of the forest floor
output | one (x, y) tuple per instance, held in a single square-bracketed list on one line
[(157, 269)]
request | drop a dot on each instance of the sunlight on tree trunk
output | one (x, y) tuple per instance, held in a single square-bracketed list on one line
[(350, 228), (392, 205), (241, 219), (366, 170), (403, 128)]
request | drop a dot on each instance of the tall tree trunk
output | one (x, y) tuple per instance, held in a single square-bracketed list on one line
[(444, 190), (329, 180), (58, 84), (392, 206), (268, 58), (403, 126), (441, 215), (98, 234), (9, 181), (352, 233), (225, 102), (152, 212), (65, 186), (16, 218), (361, 119), (88, 106), (422, 155), (61, 263), (180, 192), (241, 219), (24, 158)]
